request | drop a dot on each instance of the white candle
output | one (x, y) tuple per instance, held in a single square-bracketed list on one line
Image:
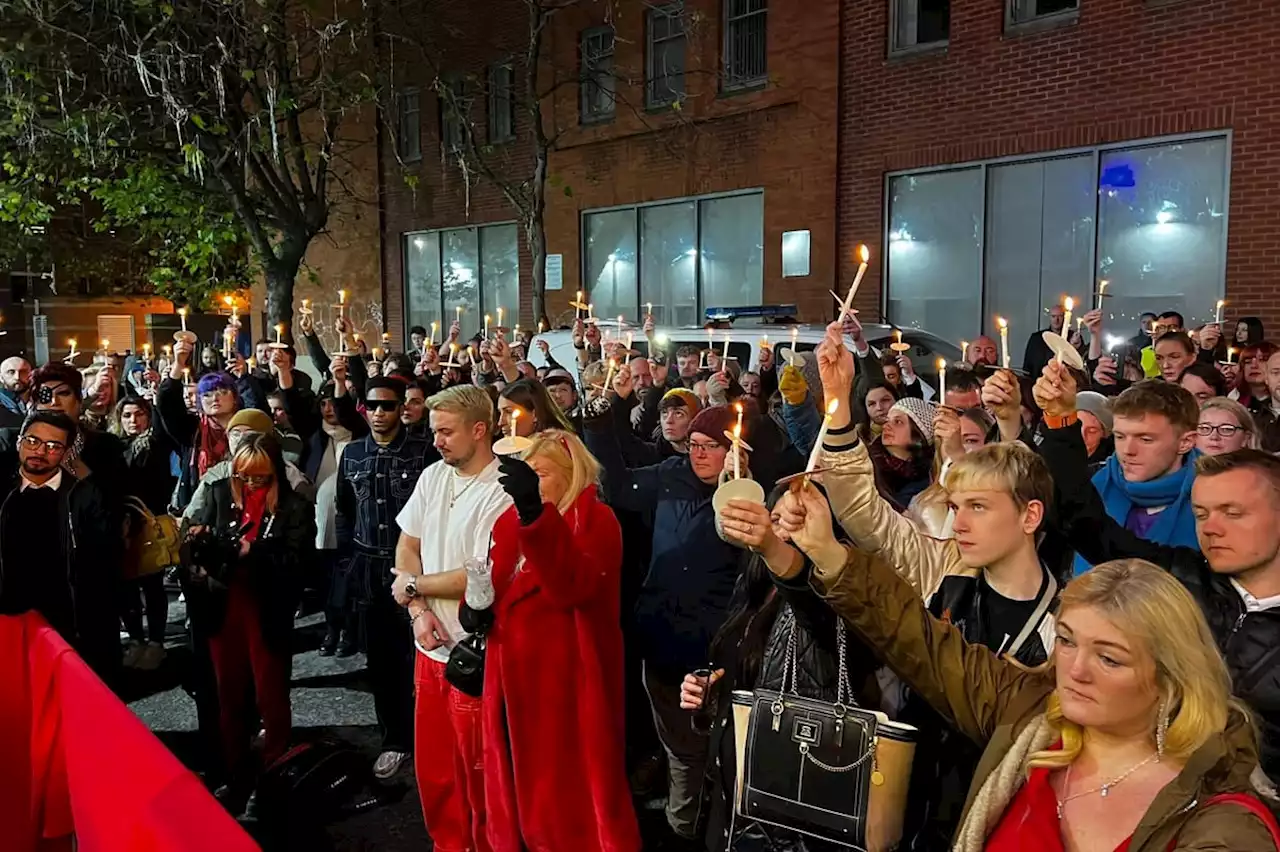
[(608, 377), (1218, 318), (541, 326), (627, 360), (964, 350), (453, 354), (864, 255), (1004, 340), (182, 315), (186, 375), (226, 344), (737, 446), (72, 344), (649, 309), (590, 310), (279, 333), (515, 416), (146, 351), (822, 436), (1067, 304), (942, 380), (794, 331), (106, 346), (432, 339), (500, 313), (1231, 352), (459, 318), (1102, 291), (342, 298), (725, 356), (486, 325)]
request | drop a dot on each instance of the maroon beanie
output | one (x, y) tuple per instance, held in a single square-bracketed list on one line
[(714, 422)]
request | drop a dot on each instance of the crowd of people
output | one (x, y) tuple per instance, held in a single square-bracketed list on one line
[(1063, 581)]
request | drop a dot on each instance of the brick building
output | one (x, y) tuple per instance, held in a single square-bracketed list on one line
[(689, 140), (1008, 157)]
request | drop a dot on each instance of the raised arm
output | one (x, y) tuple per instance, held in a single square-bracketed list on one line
[(632, 489)]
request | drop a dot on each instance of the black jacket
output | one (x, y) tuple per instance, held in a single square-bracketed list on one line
[(150, 475), (1249, 641), (273, 566), (88, 525), (183, 428)]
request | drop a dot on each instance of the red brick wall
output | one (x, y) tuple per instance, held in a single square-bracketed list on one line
[(1129, 69), (781, 138)]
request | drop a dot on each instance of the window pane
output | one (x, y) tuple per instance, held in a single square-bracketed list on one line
[(668, 249), (935, 251), (422, 278), (732, 251), (921, 22), (462, 279), (409, 129), (500, 272), (1162, 229), (1039, 241), (611, 263)]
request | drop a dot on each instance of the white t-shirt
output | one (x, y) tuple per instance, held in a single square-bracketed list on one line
[(453, 517)]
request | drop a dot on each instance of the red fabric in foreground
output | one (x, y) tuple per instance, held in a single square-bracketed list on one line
[(78, 761)]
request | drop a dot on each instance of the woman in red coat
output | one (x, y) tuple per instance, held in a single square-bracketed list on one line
[(553, 709)]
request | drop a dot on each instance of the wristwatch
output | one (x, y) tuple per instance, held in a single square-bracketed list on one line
[(410, 589)]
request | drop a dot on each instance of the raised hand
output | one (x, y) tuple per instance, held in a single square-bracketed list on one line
[(836, 368), (946, 432), (1055, 391)]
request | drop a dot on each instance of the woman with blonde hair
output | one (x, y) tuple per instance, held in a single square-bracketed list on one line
[(1127, 739), (552, 705), (1226, 425), (243, 597)]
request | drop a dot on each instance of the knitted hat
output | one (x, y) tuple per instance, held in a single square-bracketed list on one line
[(679, 396), (714, 422), (920, 412), (1097, 405), (257, 421)]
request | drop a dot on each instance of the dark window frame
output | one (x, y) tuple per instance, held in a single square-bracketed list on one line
[(452, 132), (738, 35), (597, 63), (501, 124), (409, 153), (895, 49), (658, 89)]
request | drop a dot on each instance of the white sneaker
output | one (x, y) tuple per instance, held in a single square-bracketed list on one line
[(388, 764), (151, 657), (133, 653)]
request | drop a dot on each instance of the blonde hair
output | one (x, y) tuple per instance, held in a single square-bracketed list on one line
[(1240, 413), (473, 404), (256, 456), (1157, 611), (1008, 467), (566, 451)]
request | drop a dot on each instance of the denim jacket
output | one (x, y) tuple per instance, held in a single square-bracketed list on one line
[(374, 485)]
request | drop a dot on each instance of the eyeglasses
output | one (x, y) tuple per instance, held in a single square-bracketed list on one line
[(51, 448), (255, 481), (1226, 430), (381, 404), (705, 449)]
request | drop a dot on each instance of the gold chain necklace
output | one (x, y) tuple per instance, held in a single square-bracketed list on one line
[(453, 479), (1104, 789)]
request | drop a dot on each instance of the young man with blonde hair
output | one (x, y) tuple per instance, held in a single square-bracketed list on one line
[(448, 520)]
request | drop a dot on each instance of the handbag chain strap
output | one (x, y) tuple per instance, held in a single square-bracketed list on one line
[(844, 690)]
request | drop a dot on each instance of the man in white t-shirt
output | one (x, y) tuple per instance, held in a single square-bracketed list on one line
[(448, 520)]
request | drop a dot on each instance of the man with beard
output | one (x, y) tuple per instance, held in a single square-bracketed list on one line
[(447, 521), (60, 544), (57, 387), (983, 351), (377, 476), (15, 381)]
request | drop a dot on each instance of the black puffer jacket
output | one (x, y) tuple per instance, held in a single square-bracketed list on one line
[(1249, 641)]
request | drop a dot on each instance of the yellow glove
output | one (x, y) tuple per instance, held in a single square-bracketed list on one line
[(792, 385)]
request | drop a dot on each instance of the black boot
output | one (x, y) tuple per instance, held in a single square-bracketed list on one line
[(347, 647), (330, 643)]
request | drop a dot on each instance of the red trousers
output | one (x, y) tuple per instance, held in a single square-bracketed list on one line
[(447, 761), (242, 659)]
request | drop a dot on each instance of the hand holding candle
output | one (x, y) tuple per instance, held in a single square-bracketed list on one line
[(1067, 304), (942, 381), (816, 454), (1218, 316), (864, 255)]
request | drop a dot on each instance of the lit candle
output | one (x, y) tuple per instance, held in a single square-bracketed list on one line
[(306, 306), (342, 298), (649, 309), (253, 363), (1004, 340), (1102, 291), (459, 318), (377, 353), (608, 377), (182, 315), (737, 406), (146, 351), (590, 310), (1218, 318), (725, 356), (541, 326), (627, 360), (897, 337), (500, 313), (386, 339), (486, 325), (1079, 323), (72, 343), (737, 447), (964, 350), (1067, 304), (515, 416), (864, 255), (280, 333), (226, 343), (168, 350), (431, 341), (227, 300), (186, 375), (106, 346), (822, 436), (1231, 353), (942, 380), (453, 354)]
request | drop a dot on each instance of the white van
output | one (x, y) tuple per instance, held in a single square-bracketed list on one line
[(745, 337)]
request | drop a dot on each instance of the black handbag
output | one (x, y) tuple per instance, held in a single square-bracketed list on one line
[(832, 771), (465, 669)]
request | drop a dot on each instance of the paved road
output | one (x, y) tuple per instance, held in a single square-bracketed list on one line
[(331, 699)]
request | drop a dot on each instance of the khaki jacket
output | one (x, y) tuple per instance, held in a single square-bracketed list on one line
[(992, 701), (876, 528)]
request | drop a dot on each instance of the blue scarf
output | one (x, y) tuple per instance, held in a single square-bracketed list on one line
[(1176, 525)]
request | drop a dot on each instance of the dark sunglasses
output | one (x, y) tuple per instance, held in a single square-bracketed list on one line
[(381, 404)]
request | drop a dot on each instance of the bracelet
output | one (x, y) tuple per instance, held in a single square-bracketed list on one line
[(416, 617), (843, 430), (1062, 422)]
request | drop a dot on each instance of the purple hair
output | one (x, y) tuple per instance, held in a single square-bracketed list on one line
[(216, 381)]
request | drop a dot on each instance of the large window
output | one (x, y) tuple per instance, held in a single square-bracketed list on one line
[(918, 24), (664, 71), (476, 269), (408, 126), (1029, 11), (455, 109), (598, 83), (681, 256), (1011, 238), (745, 57)]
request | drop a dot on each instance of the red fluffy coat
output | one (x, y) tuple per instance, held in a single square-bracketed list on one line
[(553, 708)]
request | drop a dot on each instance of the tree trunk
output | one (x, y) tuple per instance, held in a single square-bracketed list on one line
[(536, 236), (280, 273)]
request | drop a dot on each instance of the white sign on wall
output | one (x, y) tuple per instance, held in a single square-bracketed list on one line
[(555, 272)]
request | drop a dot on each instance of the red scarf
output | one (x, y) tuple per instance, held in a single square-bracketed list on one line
[(211, 444)]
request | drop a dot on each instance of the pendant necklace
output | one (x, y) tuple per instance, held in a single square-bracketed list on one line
[(1104, 789), (452, 482)]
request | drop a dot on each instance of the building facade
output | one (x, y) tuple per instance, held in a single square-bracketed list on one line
[(693, 164), (998, 160)]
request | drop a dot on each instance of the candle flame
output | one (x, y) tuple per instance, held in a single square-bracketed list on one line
[(1102, 285), (342, 297), (1068, 303), (72, 342), (864, 253), (433, 325), (832, 406), (942, 363), (105, 343), (182, 312), (1002, 322), (1221, 302), (227, 300), (737, 406)]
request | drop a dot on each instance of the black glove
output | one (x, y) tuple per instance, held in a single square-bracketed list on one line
[(520, 481)]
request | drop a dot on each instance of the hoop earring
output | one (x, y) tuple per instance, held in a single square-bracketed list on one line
[(1162, 728)]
